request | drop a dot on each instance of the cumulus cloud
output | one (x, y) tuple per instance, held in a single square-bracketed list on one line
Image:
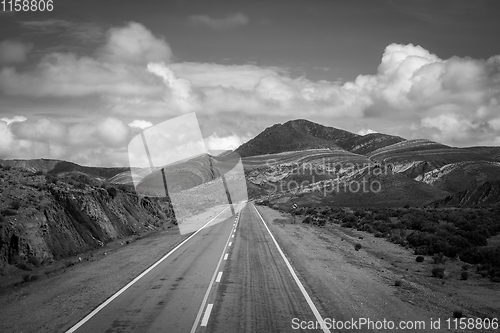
[(217, 143), (96, 142), (15, 119), (12, 52), (366, 131), (454, 101), (134, 44), (228, 22), (141, 124), (41, 130)]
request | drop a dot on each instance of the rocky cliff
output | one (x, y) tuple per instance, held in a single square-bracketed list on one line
[(44, 218)]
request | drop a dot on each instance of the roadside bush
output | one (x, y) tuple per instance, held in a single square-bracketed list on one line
[(458, 314), (35, 261), (419, 259), (26, 277), (9, 212), (15, 204), (311, 211), (2, 219), (357, 247), (23, 266), (495, 279), (34, 277), (307, 220), (320, 222), (464, 275), (398, 283), (438, 272)]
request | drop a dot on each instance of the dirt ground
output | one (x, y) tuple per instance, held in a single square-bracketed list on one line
[(349, 283)]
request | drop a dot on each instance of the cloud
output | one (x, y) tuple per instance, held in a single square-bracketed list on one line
[(141, 124), (84, 32), (118, 69), (6, 138), (366, 131), (230, 142), (15, 119), (42, 130), (96, 142), (228, 22), (131, 76), (13, 52), (134, 44), (80, 31)]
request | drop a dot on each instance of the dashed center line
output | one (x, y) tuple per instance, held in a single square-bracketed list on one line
[(219, 276), (225, 256), (206, 316), (230, 243)]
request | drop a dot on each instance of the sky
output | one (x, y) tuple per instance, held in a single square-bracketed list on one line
[(79, 82)]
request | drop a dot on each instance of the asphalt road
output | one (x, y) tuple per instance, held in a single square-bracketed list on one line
[(229, 277)]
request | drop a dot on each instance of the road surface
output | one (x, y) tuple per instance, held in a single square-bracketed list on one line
[(229, 276)]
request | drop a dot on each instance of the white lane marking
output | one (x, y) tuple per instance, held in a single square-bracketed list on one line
[(207, 293), (204, 321), (230, 243), (295, 277), (232, 236), (119, 292), (219, 276), (225, 256)]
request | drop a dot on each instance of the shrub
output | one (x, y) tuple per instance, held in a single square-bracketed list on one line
[(495, 279), (23, 266), (15, 204), (439, 259), (310, 211), (465, 267), (2, 219), (398, 283), (26, 277), (357, 247), (35, 261), (9, 212), (438, 272), (111, 191), (419, 259), (307, 220), (35, 277), (483, 273), (50, 179), (458, 314), (464, 275)]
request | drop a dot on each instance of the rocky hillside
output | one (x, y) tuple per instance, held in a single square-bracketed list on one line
[(45, 217), (486, 194)]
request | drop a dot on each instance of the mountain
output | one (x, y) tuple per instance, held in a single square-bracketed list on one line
[(302, 159), (486, 194), (370, 142), (57, 167), (295, 135), (416, 157), (458, 177)]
